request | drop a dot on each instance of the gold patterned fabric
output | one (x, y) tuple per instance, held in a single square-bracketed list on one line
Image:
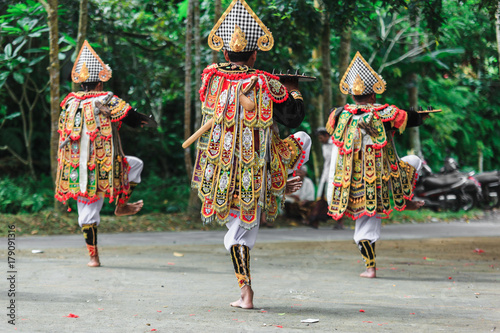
[(241, 162), (366, 169), (91, 162)]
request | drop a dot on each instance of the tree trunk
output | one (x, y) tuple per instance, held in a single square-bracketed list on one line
[(497, 29), (187, 87), (193, 198), (54, 73), (414, 132), (344, 58), (217, 14), (197, 63), (325, 70), (82, 32)]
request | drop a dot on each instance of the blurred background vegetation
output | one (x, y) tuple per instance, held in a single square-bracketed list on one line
[(442, 53)]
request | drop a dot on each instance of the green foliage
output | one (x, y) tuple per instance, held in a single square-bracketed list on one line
[(143, 41), (159, 196), (23, 195)]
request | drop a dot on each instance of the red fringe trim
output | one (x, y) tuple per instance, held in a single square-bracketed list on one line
[(209, 72), (400, 209), (93, 134), (413, 188), (70, 95), (394, 116), (122, 116), (380, 146), (64, 197), (106, 138)]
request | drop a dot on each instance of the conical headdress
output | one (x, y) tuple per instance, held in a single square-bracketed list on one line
[(361, 79), (89, 67), (240, 30)]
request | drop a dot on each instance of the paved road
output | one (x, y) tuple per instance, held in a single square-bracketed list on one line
[(485, 228), (429, 280)]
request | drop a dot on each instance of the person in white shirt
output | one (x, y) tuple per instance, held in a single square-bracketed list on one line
[(298, 204), (326, 148)]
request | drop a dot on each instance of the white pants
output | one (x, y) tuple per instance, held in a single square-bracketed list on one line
[(369, 227), (89, 213), (238, 235)]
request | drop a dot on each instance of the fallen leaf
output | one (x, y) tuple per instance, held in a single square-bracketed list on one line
[(71, 315), (281, 314)]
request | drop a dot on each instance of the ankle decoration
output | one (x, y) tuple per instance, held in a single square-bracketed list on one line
[(90, 233), (367, 250), (240, 255), (92, 250)]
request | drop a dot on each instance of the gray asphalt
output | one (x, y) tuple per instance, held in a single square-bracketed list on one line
[(485, 228), (183, 282)]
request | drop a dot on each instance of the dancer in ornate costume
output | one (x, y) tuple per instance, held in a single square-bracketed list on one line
[(92, 164), (365, 167), (242, 165)]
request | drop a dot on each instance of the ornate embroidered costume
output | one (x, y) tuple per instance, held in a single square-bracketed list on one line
[(241, 162), (242, 165), (365, 168), (91, 162)]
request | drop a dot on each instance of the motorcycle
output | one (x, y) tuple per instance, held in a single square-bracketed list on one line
[(473, 192), (490, 185), (452, 191)]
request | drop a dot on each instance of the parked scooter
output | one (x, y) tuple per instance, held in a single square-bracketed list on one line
[(490, 185), (445, 191), (473, 196)]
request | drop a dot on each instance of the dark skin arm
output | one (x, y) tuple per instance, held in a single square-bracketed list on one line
[(290, 113)]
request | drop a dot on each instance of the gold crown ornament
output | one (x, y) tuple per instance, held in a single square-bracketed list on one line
[(361, 79), (89, 67), (240, 30)]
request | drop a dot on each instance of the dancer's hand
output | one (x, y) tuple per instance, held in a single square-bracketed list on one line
[(293, 185)]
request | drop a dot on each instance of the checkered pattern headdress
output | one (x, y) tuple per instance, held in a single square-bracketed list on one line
[(89, 67), (361, 79), (240, 30)]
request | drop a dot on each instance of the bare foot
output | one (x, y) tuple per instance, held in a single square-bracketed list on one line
[(369, 273), (246, 299), (129, 208), (94, 261), (414, 204)]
